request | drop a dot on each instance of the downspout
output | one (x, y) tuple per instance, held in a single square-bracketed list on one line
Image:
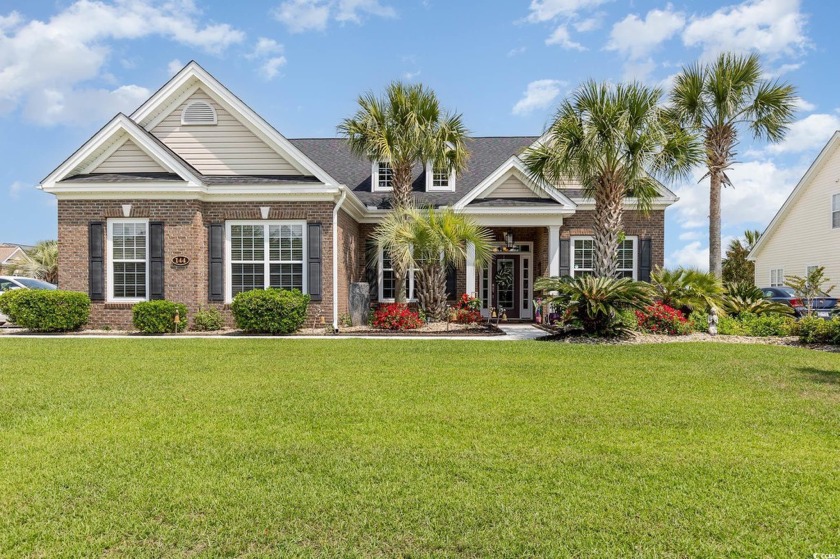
[(337, 207)]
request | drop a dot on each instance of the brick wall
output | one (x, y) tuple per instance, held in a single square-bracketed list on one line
[(350, 254), (186, 225)]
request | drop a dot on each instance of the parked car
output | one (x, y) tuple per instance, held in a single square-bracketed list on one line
[(822, 306), (7, 283)]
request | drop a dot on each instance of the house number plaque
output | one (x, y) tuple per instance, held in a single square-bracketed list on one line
[(180, 260)]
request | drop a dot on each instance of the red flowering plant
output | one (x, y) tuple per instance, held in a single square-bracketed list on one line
[(659, 318), (467, 310), (396, 316)]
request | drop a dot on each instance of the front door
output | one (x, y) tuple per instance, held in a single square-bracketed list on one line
[(506, 289)]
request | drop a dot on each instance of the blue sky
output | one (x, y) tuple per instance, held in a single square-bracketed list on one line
[(66, 67)]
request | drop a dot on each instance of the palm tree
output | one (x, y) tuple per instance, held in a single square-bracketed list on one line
[(431, 241), (718, 100), (736, 268), (405, 127), (41, 263), (614, 140)]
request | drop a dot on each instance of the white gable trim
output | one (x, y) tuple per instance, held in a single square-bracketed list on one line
[(233, 105), (13, 256), (800, 187), (105, 155), (119, 124), (514, 163)]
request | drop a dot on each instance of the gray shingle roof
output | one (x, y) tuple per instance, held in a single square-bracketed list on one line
[(486, 154), (513, 202)]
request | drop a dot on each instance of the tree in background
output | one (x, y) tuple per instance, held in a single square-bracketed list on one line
[(614, 140), (42, 263), (717, 100), (405, 127), (736, 267)]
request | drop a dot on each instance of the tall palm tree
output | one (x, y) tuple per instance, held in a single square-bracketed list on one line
[(718, 100), (41, 263), (615, 140), (404, 127), (431, 241)]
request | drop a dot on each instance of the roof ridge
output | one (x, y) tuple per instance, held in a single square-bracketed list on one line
[(468, 137)]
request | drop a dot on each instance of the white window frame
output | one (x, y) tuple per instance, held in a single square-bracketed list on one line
[(633, 238), (430, 180), (409, 288), (110, 259), (780, 277), (266, 262), (808, 268), (835, 208), (374, 177)]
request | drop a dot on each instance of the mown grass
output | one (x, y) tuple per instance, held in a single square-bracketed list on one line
[(352, 448)]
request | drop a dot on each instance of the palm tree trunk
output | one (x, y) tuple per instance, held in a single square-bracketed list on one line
[(609, 201), (401, 192), (431, 290), (715, 265)]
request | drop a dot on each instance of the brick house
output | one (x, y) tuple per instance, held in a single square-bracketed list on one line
[(195, 198)]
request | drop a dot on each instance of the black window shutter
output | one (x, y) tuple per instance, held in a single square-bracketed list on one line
[(96, 261), (451, 283), (314, 260), (372, 269), (645, 258), (156, 267), (216, 260), (565, 257)]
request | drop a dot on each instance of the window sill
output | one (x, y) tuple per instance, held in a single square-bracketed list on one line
[(122, 306)]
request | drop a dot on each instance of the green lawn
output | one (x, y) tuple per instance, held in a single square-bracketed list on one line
[(289, 447)]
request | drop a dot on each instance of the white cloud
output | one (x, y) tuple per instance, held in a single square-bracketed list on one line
[(760, 189), (588, 24), (691, 255), (639, 70), (411, 75), (78, 106), (691, 235), (174, 66), (771, 27), (803, 105), (314, 15), (516, 51), (270, 55), (16, 188), (561, 37), (45, 61), (539, 94), (636, 38), (547, 10), (810, 133)]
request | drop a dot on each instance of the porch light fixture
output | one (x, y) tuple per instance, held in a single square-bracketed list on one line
[(509, 240)]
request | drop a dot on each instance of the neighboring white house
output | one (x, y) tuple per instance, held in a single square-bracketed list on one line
[(9, 253), (806, 231)]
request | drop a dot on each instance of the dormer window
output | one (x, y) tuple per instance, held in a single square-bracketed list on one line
[(382, 176), (199, 113), (439, 179)]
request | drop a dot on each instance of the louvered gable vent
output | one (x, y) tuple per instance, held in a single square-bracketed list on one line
[(198, 112)]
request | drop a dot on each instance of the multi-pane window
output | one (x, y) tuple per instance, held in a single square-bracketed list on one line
[(583, 257), (835, 211), (129, 249), (388, 285), (440, 178), (583, 253), (777, 277), (384, 179), (265, 254)]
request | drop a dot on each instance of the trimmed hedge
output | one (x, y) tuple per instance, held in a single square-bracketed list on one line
[(270, 311), (46, 311), (208, 320), (158, 317), (813, 330)]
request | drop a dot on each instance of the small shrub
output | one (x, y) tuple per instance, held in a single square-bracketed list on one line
[(345, 321), (467, 310), (731, 326), (396, 316), (769, 324), (158, 317), (46, 311), (270, 311), (699, 321), (662, 319), (208, 320), (626, 320), (813, 330)]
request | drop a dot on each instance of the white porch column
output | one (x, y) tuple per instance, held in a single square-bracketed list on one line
[(470, 269), (553, 250)]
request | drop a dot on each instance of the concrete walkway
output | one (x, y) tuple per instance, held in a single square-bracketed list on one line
[(521, 332)]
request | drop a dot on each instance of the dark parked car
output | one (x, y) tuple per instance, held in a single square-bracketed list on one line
[(822, 306)]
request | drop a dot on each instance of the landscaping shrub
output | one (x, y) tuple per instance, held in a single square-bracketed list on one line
[(158, 317), (769, 324), (626, 320), (467, 310), (699, 321), (270, 311), (813, 330), (396, 316), (730, 326), (46, 311), (659, 318), (208, 320)]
